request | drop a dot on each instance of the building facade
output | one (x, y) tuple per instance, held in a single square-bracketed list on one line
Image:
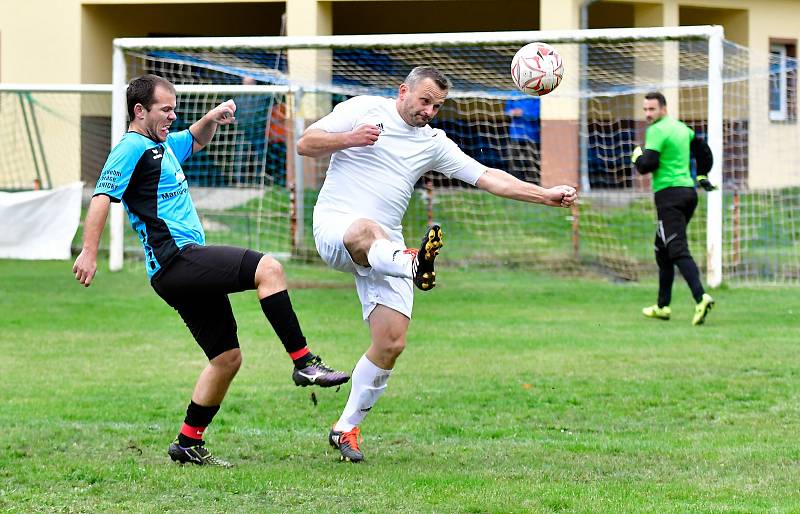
[(70, 41)]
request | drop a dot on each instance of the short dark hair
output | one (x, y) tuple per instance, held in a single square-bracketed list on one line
[(421, 73), (142, 89), (655, 95)]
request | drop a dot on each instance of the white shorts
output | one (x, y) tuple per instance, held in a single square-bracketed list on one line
[(373, 288)]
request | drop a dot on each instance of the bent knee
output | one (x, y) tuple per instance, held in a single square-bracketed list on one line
[(268, 268), (364, 228), (395, 347), (228, 362), (360, 236)]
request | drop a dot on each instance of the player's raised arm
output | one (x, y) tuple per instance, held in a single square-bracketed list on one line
[(500, 183), (320, 143), (85, 265), (203, 130)]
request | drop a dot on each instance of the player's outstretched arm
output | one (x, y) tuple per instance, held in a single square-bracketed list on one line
[(86, 264), (319, 143), (500, 183), (203, 130)]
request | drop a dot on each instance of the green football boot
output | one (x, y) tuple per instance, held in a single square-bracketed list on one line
[(654, 311), (701, 309)]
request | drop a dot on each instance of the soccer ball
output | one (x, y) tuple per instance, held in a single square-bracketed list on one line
[(537, 69)]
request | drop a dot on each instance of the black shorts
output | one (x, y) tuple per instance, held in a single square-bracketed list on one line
[(675, 207), (196, 283)]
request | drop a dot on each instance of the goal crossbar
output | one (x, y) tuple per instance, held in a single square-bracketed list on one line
[(441, 39)]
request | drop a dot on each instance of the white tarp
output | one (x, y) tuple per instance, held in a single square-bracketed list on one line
[(39, 224)]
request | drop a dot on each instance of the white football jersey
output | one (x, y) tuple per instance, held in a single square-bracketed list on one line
[(377, 181)]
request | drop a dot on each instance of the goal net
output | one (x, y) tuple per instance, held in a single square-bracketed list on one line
[(53, 135), (252, 189)]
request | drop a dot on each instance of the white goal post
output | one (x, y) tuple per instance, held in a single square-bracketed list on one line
[(306, 76)]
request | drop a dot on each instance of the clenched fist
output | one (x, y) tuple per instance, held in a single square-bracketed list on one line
[(364, 135)]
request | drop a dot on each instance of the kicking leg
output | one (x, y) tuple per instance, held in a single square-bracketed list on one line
[(309, 369), (369, 245)]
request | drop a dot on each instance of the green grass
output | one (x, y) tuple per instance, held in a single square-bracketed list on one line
[(517, 393)]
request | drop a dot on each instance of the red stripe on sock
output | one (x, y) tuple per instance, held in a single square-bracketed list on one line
[(299, 353), (193, 432)]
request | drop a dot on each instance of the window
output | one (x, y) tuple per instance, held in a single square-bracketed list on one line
[(782, 80)]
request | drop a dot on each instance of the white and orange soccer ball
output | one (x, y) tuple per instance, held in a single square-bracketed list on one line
[(537, 69)]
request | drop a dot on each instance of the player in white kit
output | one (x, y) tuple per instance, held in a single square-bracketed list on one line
[(379, 148)]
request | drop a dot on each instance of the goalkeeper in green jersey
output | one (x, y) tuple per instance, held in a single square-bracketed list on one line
[(669, 147)]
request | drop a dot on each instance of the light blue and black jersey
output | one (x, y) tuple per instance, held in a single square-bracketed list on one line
[(147, 178)]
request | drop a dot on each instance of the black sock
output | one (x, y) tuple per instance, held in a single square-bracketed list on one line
[(197, 416), (302, 362), (690, 272), (278, 310)]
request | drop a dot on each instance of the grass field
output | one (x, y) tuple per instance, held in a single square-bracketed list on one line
[(517, 393)]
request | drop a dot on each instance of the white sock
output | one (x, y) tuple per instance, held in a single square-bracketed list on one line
[(367, 385), (390, 259)]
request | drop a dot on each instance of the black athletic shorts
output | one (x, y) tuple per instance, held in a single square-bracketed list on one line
[(675, 207), (196, 283)]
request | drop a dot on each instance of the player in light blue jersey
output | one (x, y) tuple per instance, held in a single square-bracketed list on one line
[(143, 171)]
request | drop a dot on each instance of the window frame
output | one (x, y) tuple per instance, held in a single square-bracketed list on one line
[(783, 50)]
